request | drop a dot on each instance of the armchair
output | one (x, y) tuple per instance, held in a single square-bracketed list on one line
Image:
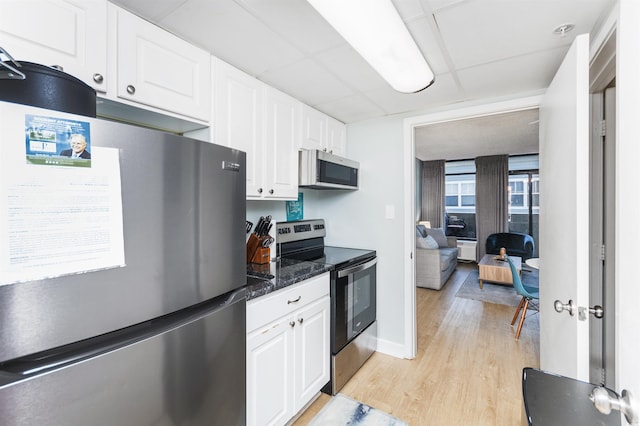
[(516, 244)]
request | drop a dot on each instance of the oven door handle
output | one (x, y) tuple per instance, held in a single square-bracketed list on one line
[(343, 273)]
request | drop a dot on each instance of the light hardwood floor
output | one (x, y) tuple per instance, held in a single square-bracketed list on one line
[(467, 370)]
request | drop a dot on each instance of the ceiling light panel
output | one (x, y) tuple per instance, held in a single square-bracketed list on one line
[(376, 31)]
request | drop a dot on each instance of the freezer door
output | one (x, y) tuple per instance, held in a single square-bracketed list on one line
[(183, 208), (192, 374)]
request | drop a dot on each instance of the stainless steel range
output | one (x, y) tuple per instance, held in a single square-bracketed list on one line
[(353, 294)]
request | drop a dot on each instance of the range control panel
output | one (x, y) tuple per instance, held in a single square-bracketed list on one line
[(300, 230)]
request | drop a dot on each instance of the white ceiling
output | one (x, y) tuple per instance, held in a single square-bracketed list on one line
[(478, 49)]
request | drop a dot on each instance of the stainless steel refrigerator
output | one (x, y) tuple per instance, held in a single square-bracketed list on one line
[(158, 338)]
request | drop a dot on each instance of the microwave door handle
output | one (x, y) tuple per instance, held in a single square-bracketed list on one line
[(343, 273)]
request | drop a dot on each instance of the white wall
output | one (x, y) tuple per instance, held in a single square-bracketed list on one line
[(359, 219)]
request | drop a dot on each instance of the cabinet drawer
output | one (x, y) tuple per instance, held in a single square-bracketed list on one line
[(266, 309)]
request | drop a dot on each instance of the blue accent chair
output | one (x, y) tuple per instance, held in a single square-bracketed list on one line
[(528, 293)]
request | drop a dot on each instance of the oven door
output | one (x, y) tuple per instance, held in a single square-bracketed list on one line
[(354, 302)]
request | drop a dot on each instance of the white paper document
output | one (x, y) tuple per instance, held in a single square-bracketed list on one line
[(59, 220)]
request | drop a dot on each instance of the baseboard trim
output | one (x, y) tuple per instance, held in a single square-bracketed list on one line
[(391, 348)]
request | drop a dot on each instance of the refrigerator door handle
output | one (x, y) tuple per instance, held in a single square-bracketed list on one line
[(52, 359)]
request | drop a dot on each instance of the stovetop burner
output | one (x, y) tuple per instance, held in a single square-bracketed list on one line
[(304, 240)]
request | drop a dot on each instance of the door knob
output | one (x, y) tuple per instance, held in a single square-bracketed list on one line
[(597, 312), (605, 402), (569, 307)]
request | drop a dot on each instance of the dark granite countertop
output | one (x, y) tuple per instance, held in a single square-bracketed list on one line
[(265, 279)]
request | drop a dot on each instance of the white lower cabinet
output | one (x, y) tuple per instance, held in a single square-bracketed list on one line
[(287, 350)]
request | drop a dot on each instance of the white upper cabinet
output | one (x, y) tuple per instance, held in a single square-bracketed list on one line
[(265, 123), (67, 33), (322, 132), (238, 117), (337, 137), (282, 126), (314, 129), (158, 69)]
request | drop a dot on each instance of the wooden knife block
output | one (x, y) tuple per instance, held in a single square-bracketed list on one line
[(262, 255), (255, 252)]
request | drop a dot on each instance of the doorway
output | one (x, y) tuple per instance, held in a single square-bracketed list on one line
[(410, 125)]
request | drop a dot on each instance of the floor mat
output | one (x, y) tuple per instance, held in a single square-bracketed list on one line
[(342, 410)]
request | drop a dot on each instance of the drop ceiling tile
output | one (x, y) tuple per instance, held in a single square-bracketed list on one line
[(434, 5), (515, 75), (481, 32), (231, 33), (428, 41), (351, 109), (408, 9), (444, 90), (297, 21), (308, 82), (351, 68)]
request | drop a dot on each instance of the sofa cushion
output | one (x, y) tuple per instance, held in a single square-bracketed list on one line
[(426, 243), (421, 231), (447, 256), (438, 235)]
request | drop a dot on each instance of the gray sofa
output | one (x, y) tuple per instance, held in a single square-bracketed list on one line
[(434, 265)]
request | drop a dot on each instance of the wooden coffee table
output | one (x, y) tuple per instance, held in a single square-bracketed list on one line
[(497, 271)]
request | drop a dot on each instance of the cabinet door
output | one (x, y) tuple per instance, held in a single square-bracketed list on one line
[(314, 129), (68, 33), (158, 69), (270, 374), (337, 137), (312, 353), (238, 119), (281, 145)]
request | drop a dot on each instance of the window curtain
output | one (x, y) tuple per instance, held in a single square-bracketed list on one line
[(433, 192), (492, 179)]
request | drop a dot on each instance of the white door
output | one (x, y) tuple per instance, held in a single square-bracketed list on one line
[(564, 215), (627, 315)]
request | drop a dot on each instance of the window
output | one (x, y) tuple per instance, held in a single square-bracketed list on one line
[(460, 202), (517, 193)]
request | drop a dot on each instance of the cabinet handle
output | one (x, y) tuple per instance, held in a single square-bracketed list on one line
[(131, 89), (294, 301), (292, 324), (259, 190), (301, 320), (271, 191), (98, 78)]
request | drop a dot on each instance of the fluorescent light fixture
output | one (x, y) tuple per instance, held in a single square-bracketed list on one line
[(376, 31)]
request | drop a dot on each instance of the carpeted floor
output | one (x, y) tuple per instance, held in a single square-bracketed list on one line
[(495, 293), (342, 410)]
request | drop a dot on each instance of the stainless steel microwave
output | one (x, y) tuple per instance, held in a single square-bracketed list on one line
[(321, 170)]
